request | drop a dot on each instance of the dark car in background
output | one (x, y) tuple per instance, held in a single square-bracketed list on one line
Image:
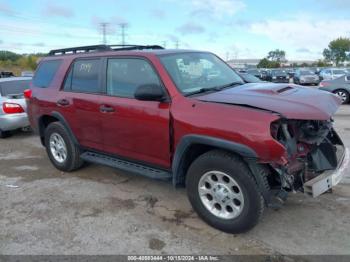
[(263, 74), (4, 74), (255, 72), (277, 76), (290, 72), (339, 86), (306, 77)]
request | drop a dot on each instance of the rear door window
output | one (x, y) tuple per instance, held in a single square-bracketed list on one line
[(84, 76), (13, 87), (45, 73)]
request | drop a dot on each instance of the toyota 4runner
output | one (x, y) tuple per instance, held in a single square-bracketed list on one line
[(186, 116)]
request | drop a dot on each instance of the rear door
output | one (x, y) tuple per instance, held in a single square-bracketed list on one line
[(134, 129), (79, 101)]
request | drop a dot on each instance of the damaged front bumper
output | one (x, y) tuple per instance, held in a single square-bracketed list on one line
[(324, 182), (315, 159)]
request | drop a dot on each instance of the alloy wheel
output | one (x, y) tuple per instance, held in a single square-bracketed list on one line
[(221, 195), (58, 148)]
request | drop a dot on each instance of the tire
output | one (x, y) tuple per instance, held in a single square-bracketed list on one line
[(231, 170), (5, 134), (343, 94), (56, 132)]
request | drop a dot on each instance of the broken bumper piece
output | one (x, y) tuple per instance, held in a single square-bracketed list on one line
[(328, 179)]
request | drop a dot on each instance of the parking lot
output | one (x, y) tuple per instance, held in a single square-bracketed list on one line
[(98, 210)]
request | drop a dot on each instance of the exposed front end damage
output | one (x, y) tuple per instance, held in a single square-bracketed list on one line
[(314, 159)]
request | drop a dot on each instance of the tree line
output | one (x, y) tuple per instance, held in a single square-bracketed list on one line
[(10, 61), (338, 52)]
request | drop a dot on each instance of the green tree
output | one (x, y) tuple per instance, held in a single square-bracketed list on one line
[(266, 63), (338, 50), (7, 55), (277, 55)]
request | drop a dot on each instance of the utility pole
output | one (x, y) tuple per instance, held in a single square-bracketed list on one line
[(176, 44), (104, 32), (123, 27)]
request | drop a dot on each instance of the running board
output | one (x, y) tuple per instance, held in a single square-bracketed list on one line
[(126, 166)]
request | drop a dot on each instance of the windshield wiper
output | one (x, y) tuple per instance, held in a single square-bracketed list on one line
[(219, 88), (215, 88)]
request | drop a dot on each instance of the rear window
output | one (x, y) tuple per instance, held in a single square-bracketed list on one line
[(45, 73), (13, 87)]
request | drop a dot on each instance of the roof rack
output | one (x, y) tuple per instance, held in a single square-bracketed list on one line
[(101, 48)]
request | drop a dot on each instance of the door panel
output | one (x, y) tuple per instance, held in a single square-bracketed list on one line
[(137, 130), (134, 129), (80, 102)]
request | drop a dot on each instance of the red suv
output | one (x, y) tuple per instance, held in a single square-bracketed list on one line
[(186, 116)]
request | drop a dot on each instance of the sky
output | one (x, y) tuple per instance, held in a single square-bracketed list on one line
[(230, 28)]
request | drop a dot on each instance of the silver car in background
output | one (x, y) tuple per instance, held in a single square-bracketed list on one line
[(13, 105), (305, 77), (332, 73)]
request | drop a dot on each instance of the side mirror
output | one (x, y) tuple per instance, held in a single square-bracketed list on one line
[(150, 92)]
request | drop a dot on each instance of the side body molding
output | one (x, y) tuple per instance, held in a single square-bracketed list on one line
[(189, 140)]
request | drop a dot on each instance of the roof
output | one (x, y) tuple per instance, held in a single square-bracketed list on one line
[(20, 78)]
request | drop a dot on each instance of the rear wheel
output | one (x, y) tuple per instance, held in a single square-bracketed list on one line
[(343, 94), (223, 192), (62, 151)]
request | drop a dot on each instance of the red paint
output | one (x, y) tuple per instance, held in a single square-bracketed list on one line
[(141, 130)]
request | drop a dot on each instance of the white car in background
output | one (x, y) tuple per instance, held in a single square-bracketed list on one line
[(13, 105), (332, 73)]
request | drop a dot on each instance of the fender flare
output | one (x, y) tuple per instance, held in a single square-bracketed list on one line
[(64, 122), (189, 140)]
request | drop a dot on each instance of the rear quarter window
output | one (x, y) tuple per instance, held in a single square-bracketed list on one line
[(13, 87), (45, 73)]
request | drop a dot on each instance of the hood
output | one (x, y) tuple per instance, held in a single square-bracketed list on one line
[(291, 101)]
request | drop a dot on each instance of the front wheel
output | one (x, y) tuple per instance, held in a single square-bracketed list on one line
[(223, 192)]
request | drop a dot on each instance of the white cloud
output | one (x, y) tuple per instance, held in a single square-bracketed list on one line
[(217, 8), (190, 28), (302, 32)]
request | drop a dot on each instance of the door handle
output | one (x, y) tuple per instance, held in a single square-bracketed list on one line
[(106, 109), (63, 102)]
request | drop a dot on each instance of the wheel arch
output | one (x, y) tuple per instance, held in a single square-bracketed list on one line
[(192, 146), (45, 120)]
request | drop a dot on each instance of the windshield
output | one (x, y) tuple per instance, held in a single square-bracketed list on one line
[(193, 72), (279, 73)]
